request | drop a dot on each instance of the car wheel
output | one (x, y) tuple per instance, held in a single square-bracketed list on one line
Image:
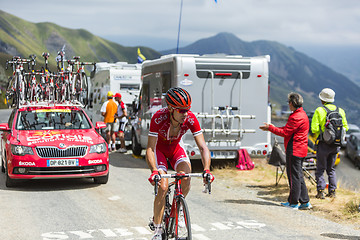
[(135, 146), (357, 163), (101, 180), (9, 182), (2, 166)]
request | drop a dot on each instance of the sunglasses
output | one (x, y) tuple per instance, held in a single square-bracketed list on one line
[(179, 110)]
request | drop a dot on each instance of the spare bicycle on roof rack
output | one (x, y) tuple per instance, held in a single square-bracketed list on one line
[(66, 86)]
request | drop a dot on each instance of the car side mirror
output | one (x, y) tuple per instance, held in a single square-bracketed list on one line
[(100, 125), (4, 127)]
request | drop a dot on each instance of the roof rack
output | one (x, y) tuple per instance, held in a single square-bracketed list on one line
[(74, 103)]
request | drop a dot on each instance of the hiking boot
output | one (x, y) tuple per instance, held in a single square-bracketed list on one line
[(305, 206), (320, 194), (331, 194), (293, 206)]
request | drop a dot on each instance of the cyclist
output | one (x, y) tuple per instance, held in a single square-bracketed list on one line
[(167, 127)]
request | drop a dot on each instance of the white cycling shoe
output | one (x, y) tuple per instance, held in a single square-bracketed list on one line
[(157, 237), (157, 234)]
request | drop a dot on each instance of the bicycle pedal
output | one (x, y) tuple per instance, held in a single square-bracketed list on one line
[(151, 226)]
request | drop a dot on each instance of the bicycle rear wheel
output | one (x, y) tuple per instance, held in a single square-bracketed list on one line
[(182, 232), (84, 89)]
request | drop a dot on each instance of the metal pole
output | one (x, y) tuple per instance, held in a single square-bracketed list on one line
[(177, 46)]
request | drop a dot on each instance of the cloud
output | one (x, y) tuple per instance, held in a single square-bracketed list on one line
[(307, 21)]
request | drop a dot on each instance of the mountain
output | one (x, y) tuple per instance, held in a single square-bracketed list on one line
[(20, 37), (289, 69)]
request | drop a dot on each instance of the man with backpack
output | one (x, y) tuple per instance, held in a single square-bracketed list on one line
[(329, 124)]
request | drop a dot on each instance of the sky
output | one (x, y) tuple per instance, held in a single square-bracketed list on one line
[(154, 23)]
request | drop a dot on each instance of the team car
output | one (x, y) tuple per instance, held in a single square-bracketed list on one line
[(57, 141)]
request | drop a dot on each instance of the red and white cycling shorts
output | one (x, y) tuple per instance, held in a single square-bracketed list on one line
[(174, 153)]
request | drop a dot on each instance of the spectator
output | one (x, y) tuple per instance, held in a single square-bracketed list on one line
[(108, 110), (325, 154), (122, 116), (295, 134)]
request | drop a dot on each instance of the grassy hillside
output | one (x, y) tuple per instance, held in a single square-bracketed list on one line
[(19, 37)]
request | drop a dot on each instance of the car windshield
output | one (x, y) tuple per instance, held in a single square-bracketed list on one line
[(47, 119), (352, 130)]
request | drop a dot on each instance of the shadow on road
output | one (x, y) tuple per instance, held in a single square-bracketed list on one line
[(127, 160), (340, 236), (252, 202), (272, 192), (46, 185)]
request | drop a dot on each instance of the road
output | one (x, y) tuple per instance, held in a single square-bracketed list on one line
[(120, 209)]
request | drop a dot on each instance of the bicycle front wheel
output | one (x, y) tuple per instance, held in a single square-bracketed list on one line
[(182, 224)]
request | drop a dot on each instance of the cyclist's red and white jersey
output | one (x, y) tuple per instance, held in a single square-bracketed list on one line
[(160, 127)]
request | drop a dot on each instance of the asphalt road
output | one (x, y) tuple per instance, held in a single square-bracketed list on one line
[(120, 209)]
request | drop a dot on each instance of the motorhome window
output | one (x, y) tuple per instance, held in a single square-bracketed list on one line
[(166, 81), (129, 86), (203, 69), (144, 98), (155, 91)]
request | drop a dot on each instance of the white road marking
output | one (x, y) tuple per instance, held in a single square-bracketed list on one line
[(142, 230), (138, 233), (123, 232), (108, 232), (114, 198), (197, 228), (83, 234), (221, 226), (200, 237), (251, 224)]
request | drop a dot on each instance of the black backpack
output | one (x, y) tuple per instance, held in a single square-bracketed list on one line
[(334, 132)]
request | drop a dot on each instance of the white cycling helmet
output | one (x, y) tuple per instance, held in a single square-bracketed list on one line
[(327, 95)]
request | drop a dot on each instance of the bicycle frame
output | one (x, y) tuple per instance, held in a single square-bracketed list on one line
[(171, 212)]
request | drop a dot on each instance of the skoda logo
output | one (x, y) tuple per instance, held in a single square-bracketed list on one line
[(62, 145)]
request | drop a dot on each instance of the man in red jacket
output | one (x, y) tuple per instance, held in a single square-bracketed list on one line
[(295, 134)]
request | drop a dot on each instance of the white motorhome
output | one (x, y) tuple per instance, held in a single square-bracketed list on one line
[(120, 77), (229, 97)]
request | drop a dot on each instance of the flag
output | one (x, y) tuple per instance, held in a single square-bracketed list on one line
[(141, 57)]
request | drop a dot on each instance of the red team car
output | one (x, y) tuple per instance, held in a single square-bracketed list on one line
[(57, 141)]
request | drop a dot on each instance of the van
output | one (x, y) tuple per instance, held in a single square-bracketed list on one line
[(120, 77)]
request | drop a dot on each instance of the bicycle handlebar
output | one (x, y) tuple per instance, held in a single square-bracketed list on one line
[(179, 176)]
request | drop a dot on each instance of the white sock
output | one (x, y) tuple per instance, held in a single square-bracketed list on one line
[(114, 146), (158, 229)]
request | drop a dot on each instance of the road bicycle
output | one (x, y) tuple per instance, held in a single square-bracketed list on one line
[(177, 212), (80, 85), (33, 88), (65, 85), (16, 91)]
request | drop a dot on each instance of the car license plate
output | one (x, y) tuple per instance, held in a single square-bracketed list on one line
[(223, 154), (62, 162)]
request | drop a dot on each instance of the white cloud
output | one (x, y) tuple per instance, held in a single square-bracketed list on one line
[(308, 22)]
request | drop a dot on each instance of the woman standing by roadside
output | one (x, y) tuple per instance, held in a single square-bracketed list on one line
[(295, 134)]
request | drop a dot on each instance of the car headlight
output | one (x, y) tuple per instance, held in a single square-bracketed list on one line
[(98, 148), (21, 150)]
